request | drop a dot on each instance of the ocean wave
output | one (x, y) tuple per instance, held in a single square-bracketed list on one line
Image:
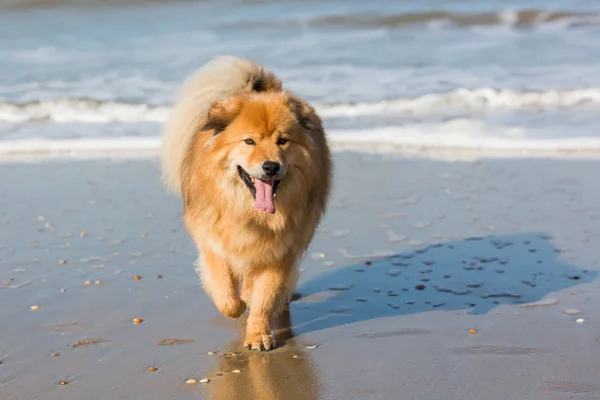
[(17, 5), (513, 18), (462, 100), (523, 18), (81, 110), (476, 100), (451, 136)]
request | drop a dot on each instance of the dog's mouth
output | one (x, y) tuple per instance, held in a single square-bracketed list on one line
[(263, 191)]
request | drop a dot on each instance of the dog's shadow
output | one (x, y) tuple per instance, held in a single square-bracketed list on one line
[(475, 274)]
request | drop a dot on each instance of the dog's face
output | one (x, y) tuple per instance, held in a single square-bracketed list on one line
[(260, 138)]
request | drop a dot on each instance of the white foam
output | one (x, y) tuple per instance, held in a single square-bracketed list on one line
[(81, 110), (79, 146), (462, 134), (455, 136), (476, 100)]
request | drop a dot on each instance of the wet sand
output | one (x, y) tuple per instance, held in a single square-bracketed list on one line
[(418, 285)]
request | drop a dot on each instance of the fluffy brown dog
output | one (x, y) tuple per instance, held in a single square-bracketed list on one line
[(252, 164)]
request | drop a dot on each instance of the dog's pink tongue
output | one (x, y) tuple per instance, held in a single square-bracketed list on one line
[(264, 196)]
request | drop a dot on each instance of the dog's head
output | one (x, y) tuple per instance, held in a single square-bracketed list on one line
[(259, 138)]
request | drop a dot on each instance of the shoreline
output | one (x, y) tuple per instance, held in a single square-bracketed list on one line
[(140, 148)]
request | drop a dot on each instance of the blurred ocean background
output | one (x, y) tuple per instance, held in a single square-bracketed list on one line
[(518, 75)]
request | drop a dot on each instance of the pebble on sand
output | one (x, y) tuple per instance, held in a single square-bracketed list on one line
[(35, 308), (191, 381), (63, 383), (137, 277), (422, 224), (212, 353), (394, 237), (137, 321), (54, 354), (236, 371), (63, 290), (152, 369), (204, 380), (87, 282), (62, 261), (98, 282), (340, 232), (312, 346), (472, 331), (572, 311), (580, 320)]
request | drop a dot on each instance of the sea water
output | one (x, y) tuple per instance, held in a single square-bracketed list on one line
[(513, 75)]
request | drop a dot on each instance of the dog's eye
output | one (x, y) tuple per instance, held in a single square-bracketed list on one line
[(281, 141), (249, 141)]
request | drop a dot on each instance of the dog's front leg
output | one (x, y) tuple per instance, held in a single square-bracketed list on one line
[(269, 286), (220, 283)]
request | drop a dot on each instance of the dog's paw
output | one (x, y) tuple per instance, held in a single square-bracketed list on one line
[(233, 308), (259, 341)]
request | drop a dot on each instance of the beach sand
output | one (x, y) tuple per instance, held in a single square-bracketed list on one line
[(418, 285)]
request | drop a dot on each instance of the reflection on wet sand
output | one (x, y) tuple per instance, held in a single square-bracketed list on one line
[(285, 373)]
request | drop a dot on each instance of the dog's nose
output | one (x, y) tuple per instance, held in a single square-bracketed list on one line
[(271, 168)]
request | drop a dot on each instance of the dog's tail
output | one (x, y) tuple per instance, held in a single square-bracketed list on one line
[(219, 79)]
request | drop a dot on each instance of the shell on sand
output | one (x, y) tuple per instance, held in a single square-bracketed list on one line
[(541, 303)]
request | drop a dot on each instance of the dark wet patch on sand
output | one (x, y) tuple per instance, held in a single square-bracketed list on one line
[(569, 387), (174, 342), (67, 327), (396, 332), (500, 350), (89, 342)]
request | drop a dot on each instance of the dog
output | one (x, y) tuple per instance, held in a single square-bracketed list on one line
[(253, 167)]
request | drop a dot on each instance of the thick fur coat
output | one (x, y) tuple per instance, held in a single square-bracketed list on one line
[(253, 167)]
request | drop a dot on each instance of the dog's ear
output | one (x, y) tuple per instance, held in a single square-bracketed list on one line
[(221, 114), (305, 114), (265, 82)]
